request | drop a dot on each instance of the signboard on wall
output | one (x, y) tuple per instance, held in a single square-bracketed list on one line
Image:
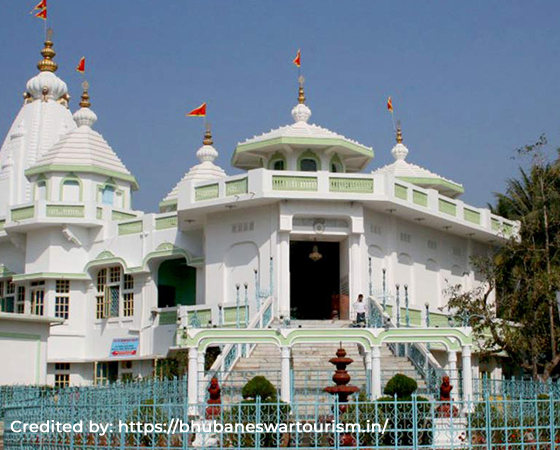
[(124, 347)]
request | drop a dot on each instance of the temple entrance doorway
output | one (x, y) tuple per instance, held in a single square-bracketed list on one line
[(314, 279)]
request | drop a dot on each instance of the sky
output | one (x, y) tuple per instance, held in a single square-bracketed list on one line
[(470, 81)]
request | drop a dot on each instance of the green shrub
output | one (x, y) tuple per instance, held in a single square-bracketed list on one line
[(259, 386), (401, 386)]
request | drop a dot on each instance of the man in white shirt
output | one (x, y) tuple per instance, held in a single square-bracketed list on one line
[(360, 311)]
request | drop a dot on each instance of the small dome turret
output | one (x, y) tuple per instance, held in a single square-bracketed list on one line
[(85, 117), (46, 85)]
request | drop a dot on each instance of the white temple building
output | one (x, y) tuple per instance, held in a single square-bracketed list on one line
[(92, 290)]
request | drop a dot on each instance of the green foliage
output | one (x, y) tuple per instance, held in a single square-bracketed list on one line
[(259, 386), (401, 386), (519, 282)]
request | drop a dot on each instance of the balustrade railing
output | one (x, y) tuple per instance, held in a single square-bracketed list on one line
[(425, 363)]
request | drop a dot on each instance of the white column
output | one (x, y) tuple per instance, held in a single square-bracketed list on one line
[(192, 382), (286, 392), (284, 274), (452, 372), (467, 373), (367, 359), (355, 272), (375, 373), (201, 377)]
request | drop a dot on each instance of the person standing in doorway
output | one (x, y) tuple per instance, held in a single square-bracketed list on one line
[(360, 311)]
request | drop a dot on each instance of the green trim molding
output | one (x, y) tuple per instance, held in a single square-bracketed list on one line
[(419, 198), (27, 212), (308, 154), (452, 338), (5, 272), (434, 181), (236, 187), (164, 223), (351, 185), (90, 169), (50, 276), (323, 142), (2, 223), (127, 228), (278, 156), (120, 215), (294, 183), (401, 191), (70, 177)]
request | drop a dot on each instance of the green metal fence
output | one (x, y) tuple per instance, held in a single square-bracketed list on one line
[(413, 423)]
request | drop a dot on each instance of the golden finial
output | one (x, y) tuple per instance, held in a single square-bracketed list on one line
[(207, 135), (47, 64), (301, 97), (399, 132), (85, 103)]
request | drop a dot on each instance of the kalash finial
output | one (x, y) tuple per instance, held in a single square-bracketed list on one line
[(207, 135), (85, 103), (399, 132), (301, 97), (47, 64)]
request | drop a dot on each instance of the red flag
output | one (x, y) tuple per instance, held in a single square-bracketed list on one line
[(390, 104), (198, 112), (40, 6), (42, 14), (297, 59), (81, 65)]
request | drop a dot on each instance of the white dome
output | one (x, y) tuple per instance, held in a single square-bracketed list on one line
[(48, 84), (301, 113), (399, 152), (206, 153), (85, 117)]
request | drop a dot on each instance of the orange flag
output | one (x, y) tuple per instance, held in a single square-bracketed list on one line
[(198, 112), (42, 14), (40, 6), (390, 104), (81, 65), (297, 59)]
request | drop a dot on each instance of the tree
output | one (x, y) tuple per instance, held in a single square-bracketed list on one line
[(515, 307)]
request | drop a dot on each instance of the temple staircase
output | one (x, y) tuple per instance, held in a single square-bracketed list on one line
[(311, 369)]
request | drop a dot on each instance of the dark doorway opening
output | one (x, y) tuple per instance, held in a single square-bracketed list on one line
[(313, 284)]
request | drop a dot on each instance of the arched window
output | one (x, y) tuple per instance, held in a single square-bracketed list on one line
[(278, 165), (108, 195), (71, 190), (308, 165), (336, 165), (277, 162), (41, 193), (308, 162)]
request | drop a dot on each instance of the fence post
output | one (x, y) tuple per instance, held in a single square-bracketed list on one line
[(551, 416), (488, 419), (415, 421)]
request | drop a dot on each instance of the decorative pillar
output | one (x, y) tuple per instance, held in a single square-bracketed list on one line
[(284, 275), (246, 305), (375, 372), (384, 288), (407, 317), (367, 358), (355, 272), (467, 373), (201, 377), (192, 381), (286, 390), (237, 305), (370, 280), (452, 371), (398, 308)]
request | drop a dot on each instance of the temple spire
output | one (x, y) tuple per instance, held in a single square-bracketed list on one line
[(47, 64), (399, 133), (85, 103), (207, 135), (301, 96)]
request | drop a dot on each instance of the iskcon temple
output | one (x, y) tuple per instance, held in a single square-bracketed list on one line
[(94, 291)]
